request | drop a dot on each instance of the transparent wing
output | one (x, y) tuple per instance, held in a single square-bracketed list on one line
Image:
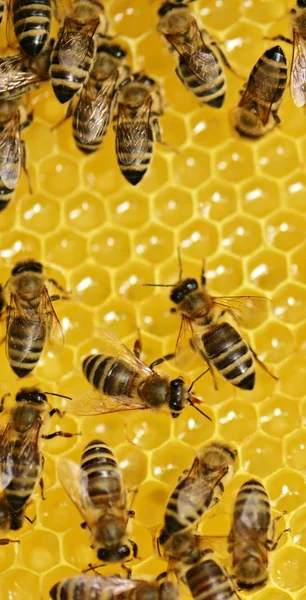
[(262, 90), (112, 346), (187, 45), (238, 307), (10, 152), (187, 341), (93, 403), (113, 583), (75, 482), (75, 40), (6, 457), (298, 70), (12, 74), (133, 134), (93, 112), (48, 316)]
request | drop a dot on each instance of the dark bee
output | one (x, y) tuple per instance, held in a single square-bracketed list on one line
[(256, 113), (96, 488), (32, 24), (199, 68), (31, 319), (207, 580), (139, 108), (124, 382), (21, 460), (111, 588), (252, 535)]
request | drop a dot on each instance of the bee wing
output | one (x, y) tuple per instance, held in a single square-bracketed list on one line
[(112, 346), (75, 482), (186, 342), (239, 306), (259, 88), (48, 315), (133, 134), (298, 70), (93, 112), (112, 583), (93, 403), (12, 74), (6, 457), (187, 45), (10, 152), (75, 40)]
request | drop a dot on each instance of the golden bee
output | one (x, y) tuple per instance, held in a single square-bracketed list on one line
[(199, 68), (32, 24), (137, 125), (30, 317), (96, 488), (21, 460), (252, 535), (111, 588), (74, 52), (208, 580), (123, 382), (257, 111)]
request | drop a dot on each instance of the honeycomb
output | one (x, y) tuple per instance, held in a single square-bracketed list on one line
[(241, 206)]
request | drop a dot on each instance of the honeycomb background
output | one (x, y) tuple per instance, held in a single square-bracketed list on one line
[(242, 206)]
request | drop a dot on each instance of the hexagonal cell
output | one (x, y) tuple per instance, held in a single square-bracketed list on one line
[(224, 273), (39, 213), (216, 17), (300, 335), (199, 238), (285, 230), (91, 284), (177, 94), (288, 568), (8, 552), (192, 428), (260, 196), (261, 455), (191, 167), (291, 374), (17, 245), (273, 342), (277, 155), (54, 576), (169, 462), (267, 269), (130, 209), (155, 316), (289, 303), (110, 247), (55, 363), (236, 420), (241, 235), (298, 266), (84, 211), (8, 216), (148, 430), (158, 172), (66, 248), (109, 428), (295, 191), (211, 129), (39, 550), (20, 584), (243, 44), (118, 315), (173, 206), (154, 243), (133, 464), (298, 527), (287, 489), (55, 512), (58, 175), (279, 415), (272, 593), (107, 180), (76, 545), (130, 280), (294, 450), (131, 22), (59, 444), (146, 60), (175, 131), (154, 495), (44, 141), (235, 161), (216, 200), (75, 319)]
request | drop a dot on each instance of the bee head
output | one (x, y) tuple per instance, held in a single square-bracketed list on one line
[(166, 8), (177, 397), (183, 289), (143, 78), (115, 555), (29, 265), (31, 395), (301, 3)]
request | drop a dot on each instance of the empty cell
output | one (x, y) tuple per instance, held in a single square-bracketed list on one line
[(169, 462), (261, 455), (241, 235), (20, 584), (260, 196), (91, 284), (199, 238), (173, 206), (236, 420), (110, 247), (66, 248), (289, 303), (39, 551), (273, 342), (154, 243), (216, 200), (150, 503), (277, 156), (291, 374), (84, 211), (191, 167), (288, 568), (279, 415), (267, 269), (235, 161), (285, 230)]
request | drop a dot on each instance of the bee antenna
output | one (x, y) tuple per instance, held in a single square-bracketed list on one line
[(180, 263), (59, 395), (199, 410), (196, 379), (189, 399), (158, 285)]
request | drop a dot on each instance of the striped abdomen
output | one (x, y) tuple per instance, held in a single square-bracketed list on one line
[(110, 376), (32, 24), (268, 79), (91, 118), (25, 343), (252, 509), (207, 580), (203, 76), (6, 195), (23, 470), (2, 7), (230, 355), (134, 146), (104, 477)]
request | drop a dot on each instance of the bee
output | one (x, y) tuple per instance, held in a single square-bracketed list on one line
[(199, 68), (96, 488), (21, 460), (256, 113), (207, 579), (32, 24), (221, 345), (16, 79), (124, 382), (2, 9), (31, 319), (74, 52), (110, 588), (191, 498), (252, 535), (136, 124)]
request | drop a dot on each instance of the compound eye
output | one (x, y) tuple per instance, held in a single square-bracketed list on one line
[(123, 551)]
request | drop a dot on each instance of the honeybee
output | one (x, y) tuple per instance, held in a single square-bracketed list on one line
[(256, 113), (110, 588), (32, 24), (124, 382), (96, 488), (221, 345), (207, 579), (252, 535), (21, 460), (191, 498), (199, 68), (136, 125), (30, 319), (16, 79), (74, 53)]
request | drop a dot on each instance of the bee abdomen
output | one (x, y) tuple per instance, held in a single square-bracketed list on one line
[(135, 165), (270, 65), (230, 355), (253, 498), (77, 588), (110, 376), (208, 581), (211, 91), (104, 477), (26, 340), (68, 80), (32, 23), (5, 196)]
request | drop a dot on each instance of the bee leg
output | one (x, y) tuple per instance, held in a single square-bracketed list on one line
[(280, 38), (203, 278), (161, 576), (159, 361), (50, 436), (138, 346), (224, 59), (42, 488), (262, 364), (83, 525), (3, 400), (60, 289), (127, 571), (156, 127), (134, 549), (271, 543), (56, 411), (5, 541), (24, 165), (32, 521), (67, 116), (276, 118)]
